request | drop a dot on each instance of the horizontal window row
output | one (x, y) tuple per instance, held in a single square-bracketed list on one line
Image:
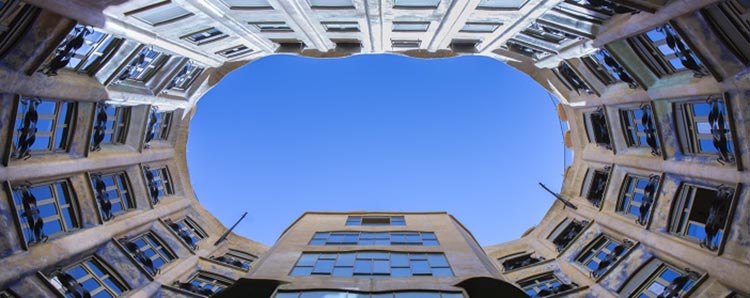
[(46, 209), (348, 294), (372, 264), (375, 238), (375, 221), (44, 126), (702, 126), (699, 211)]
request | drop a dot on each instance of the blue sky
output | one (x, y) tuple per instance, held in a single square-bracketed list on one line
[(284, 135)]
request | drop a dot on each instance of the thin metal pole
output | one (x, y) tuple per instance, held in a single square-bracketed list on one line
[(224, 236), (557, 196)]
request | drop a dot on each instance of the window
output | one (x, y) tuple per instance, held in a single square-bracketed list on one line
[(42, 126), (159, 183), (664, 51), (247, 4), (639, 128), (94, 50), (526, 49), (548, 34), (700, 214), (501, 4), (372, 264), (185, 77), (410, 26), (607, 69), (112, 192), (341, 26), (638, 197), (237, 258), (703, 128), (544, 285), (375, 221), (188, 231), (6, 294), (90, 278), (659, 279), (405, 294), (331, 4), (571, 79), (45, 209), (159, 125), (595, 12), (205, 36), (602, 253), (519, 261), (15, 17), (567, 231), (398, 43), (160, 13), (205, 284), (375, 238), (464, 45), (729, 19), (595, 185), (142, 66), (110, 126), (597, 128), (272, 27), (235, 51), (416, 3), (479, 27), (149, 251)]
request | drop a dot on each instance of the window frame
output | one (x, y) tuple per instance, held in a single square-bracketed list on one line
[(679, 219), (191, 36), (396, 5), (591, 131), (210, 278), (359, 220), (240, 52), (514, 256), (100, 52), (725, 21), (564, 226), (629, 124), (319, 6), (188, 225), (386, 239), (124, 179), (396, 24), (134, 14), (500, 8), (190, 76), (120, 125), (659, 63), (597, 246), (106, 269), (406, 43), (496, 25), (645, 275), (687, 128), (343, 30), (262, 7), (72, 208), (539, 286), (272, 27), (238, 255), (626, 196), (588, 180), (162, 174), (68, 126), (374, 259), (161, 251)]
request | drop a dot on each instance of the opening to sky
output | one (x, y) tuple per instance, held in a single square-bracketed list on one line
[(285, 135)]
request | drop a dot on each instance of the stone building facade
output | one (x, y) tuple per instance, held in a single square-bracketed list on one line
[(97, 96)]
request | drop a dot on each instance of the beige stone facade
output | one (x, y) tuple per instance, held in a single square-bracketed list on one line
[(97, 96)]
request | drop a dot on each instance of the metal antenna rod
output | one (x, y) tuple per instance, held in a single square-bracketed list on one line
[(557, 196), (224, 236)]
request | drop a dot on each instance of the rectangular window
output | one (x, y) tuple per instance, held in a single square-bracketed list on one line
[(659, 279), (699, 214), (90, 278), (595, 185), (96, 48), (703, 128), (237, 258), (607, 69), (729, 19), (149, 251), (665, 52), (143, 66), (112, 193), (159, 125), (639, 128), (398, 43), (544, 285), (602, 253), (567, 231), (235, 51), (161, 13), (517, 261), (501, 4), (159, 183), (416, 3), (548, 34), (331, 4), (206, 284), (479, 27), (339, 293), (597, 128), (6, 294), (341, 26), (571, 79), (638, 196), (372, 264), (526, 49), (110, 126), (42, 126), (205, 36), (188, 231), (247, 4), (185, 77), (375, 221), (45, 209), (375, 238), (410, 26), (272, 27)]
